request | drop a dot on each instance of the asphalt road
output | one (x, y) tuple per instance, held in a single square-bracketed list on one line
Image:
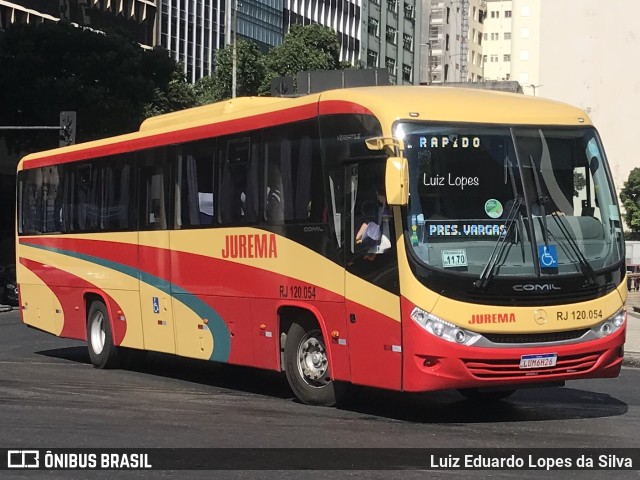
[(51, 397)]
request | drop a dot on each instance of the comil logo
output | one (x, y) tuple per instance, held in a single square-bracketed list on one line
[(23, 459)]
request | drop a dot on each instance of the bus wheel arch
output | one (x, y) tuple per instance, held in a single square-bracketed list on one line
[(102, 350), (306, 358)]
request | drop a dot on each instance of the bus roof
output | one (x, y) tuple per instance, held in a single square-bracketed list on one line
[(461, 105), (388, 103)]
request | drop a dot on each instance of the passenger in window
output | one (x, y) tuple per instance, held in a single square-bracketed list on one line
[(373, 234)]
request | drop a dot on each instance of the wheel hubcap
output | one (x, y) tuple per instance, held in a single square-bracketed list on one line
[(97, 333), (312, 360)]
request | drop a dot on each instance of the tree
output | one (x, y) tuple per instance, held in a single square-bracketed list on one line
[(172, 95), (630, 198), (249, 74), (108, 79), (305, 48)]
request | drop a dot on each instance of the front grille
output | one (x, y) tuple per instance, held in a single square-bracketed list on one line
[(492, 369), (535, 337)]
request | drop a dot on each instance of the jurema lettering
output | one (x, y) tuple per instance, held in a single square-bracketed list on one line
[(250, 246), (485, 318)]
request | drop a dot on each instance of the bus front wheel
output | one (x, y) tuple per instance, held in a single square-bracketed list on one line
[(307, 367), (102, 351)]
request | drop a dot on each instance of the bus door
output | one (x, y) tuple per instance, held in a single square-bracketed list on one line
[(154, 259), (371, 280)]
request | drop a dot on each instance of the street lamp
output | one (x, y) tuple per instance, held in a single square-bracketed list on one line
[(534, 88), (234, 54), (428, 44)]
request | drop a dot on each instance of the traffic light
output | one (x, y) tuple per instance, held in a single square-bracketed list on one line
[(67, 128)]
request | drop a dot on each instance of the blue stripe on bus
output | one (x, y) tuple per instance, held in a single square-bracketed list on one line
[(219, 330)]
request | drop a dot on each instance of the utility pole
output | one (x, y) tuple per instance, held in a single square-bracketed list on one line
[(234, 54), (534, 88)]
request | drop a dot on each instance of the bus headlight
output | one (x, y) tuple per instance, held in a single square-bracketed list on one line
[(610, 325), (443, 329)]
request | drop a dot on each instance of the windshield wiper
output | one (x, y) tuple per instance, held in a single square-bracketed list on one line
[(498, 249), (542, 199), (585, 267)]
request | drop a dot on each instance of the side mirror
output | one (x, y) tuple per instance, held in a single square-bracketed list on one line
[(397, 181)]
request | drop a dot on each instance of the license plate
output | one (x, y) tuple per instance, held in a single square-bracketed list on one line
[(454, 258), (542, 360)]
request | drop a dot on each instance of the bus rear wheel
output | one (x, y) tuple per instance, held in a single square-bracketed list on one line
[(102, 351), (486, 395), (307, 367)]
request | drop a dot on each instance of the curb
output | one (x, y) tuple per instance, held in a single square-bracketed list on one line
[(631, 359)]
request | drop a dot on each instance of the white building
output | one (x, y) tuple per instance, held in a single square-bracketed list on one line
[(453, 40), (584, 52), (496, 45)]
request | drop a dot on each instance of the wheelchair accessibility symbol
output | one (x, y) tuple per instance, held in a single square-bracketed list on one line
[(547, 256)]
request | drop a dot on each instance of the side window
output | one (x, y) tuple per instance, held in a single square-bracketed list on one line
[(371, 221), (238, 180), (194, 194), (336, 199), (30, 191), (343, 145), (116, 194), (292, 158), (82, 188), (153, 189), (51, 198)]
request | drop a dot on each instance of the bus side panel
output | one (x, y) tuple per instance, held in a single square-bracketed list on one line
[(375, 334), (375, 347), (193, 337), (37, 310), (265, 337), (156, 302), (236, 312), (74, 267), (124, 313)]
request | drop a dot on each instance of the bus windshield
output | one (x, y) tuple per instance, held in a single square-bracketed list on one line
[(492, 201)]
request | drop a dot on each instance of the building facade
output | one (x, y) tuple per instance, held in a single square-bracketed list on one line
[(496, 45), (137, 17), (526, 41), (192, 30), (453, 42), (392, 38)]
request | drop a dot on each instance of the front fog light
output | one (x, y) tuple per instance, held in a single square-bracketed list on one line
[(443, 329), (610, 325)]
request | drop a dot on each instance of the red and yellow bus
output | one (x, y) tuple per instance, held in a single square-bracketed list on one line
[(406, 238)]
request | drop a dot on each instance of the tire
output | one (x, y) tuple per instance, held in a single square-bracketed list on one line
[(102, 351), (486, 395), (307, 368)]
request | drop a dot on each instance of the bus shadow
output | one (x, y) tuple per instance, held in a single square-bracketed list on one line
[(449, 407), (446, 407), (232, 377)]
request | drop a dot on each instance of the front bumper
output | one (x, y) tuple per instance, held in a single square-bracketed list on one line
[(434, 364)]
